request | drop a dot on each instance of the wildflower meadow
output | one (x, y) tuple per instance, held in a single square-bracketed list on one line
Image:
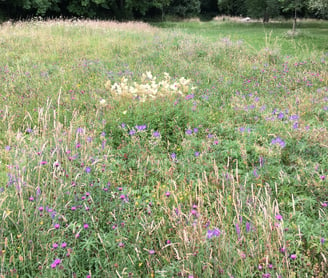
[(138, 150)]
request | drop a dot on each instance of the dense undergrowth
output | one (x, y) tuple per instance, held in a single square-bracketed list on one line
[(216, 169)]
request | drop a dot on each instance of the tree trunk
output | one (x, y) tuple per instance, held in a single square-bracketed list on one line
[(294, 22)]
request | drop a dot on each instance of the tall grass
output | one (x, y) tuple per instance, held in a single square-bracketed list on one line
[(211, 163)]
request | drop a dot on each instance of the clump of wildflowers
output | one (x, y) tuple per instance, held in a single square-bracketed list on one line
[(149, 88)]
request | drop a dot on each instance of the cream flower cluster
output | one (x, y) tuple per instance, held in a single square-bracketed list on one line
[(149, 88)]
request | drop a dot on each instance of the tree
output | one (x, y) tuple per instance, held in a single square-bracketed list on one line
[(185, 8), (295, 6), (232, 7), (319, 7), (262, 8)]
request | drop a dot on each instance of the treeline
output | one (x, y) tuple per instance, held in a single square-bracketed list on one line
[(161, 9)]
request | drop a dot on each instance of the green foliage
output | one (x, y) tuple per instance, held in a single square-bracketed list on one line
[(262, 9)]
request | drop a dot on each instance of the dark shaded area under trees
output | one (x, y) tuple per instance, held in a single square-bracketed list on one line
[(161, 9)]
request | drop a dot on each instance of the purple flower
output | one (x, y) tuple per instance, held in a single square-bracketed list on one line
[(87, 169), (237, 229), (173, 156), (280, 115), (294, 117), (141, 127), (188, 131), (322, 240), (79, 130), (156, 134), (293, 256), (213, 233), (295, 125), (7, 148), (55, 246), (266, 275), (248, 227), (278, 217), (63, 245), (256, 175), (85, 226), (132, 132), (197, 154), (123, 125), (278, 141), (57, 226), (195, 130), (151, 252)]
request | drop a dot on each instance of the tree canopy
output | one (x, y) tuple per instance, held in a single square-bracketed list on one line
[(147, 9)]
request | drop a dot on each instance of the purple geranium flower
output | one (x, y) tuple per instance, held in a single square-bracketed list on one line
[(213, 233)]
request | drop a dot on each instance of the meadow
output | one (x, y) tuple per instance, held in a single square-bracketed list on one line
[(191, 149)]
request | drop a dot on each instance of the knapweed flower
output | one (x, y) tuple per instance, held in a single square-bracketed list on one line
[(324, 204), (55, 245), (31, 199), (173, 156), (197, 154), (151, 252), (121, 245), (278, 217), (293, 256), (167, 194), (40, 208), (43, 162), (266, 275), (322, 240), (213, 233), (85, 226), (73, 208), (322, 177), (132, 132), (188, 131), (57, 226), (55, 263), (87, 169)]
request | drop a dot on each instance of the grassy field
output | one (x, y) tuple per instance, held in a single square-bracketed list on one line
[(194, 149)]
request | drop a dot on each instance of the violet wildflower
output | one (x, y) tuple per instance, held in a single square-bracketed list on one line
[(293, 256), (151, 252), (57, 226), (294, 117), (322, 177), (173, 156), (248, 227), (213, 233), (87, 169), (197, 154), (188, 131), (132, 132), (31, 199), (55, 245), (156, 134), (7, 148), (85, 226), (237, 229), (266, 275), (40, 208), (167, 194), (63, 245), (195, 130), (280, 115), (322, 240)]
